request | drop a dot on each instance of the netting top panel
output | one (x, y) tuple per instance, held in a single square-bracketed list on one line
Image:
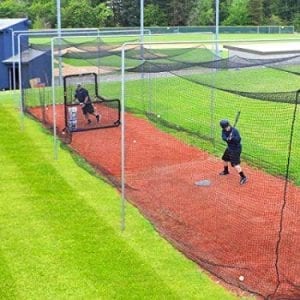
[(270, 79)]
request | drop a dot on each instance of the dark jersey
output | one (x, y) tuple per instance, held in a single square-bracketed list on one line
[(232, 138), (81, 94)]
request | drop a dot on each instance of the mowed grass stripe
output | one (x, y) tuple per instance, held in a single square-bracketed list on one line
[(72, 229), (60, 232)]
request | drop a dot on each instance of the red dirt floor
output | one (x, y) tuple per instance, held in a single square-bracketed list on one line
[(228, 229)]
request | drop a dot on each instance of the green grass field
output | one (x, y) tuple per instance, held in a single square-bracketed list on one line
[(176, 37), (60, 222), (60, 230)]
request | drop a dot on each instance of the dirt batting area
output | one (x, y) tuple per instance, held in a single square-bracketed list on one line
[(232, 231)]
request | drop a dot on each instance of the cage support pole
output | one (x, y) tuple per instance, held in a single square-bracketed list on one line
[(123, 200)]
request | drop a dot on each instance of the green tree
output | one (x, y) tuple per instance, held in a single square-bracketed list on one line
[(255, 12), (238, 13), (78, 14), (296, 21), (92, 13), (154, 16), (267, 9), (275, 20), (178, 12), (130, 13), (42, 14), (95, 3), (104, 15), (288, 9), (224, 9), (117, 7), (12, 9), (203, 13), (162, 4)]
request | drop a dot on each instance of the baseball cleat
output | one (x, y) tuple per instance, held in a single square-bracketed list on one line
[(243, 180), (224, 173)]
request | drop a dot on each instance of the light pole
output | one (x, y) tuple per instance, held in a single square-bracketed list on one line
[(142, 20), (58, 16), (217, 27)]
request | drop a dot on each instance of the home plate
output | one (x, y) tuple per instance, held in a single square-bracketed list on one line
[(204, 182)]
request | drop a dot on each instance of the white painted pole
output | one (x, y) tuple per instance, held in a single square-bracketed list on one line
[(13, 62), (20, 84), (123, 200), (217, 27), (142, 20), (142, 30), (58, 8), (53, 102)]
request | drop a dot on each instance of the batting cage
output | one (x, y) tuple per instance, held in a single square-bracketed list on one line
[(243, 231), (51, 71), (166, 157), (106, 112)]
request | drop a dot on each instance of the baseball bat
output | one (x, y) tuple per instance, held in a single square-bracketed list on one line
[(236, 118)]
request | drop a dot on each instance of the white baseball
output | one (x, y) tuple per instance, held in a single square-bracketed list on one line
[(241, 278), (134, 141), (158, 116)]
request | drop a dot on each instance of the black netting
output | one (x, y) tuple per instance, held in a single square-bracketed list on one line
[(186, 92), (75, 60), (170, 59)]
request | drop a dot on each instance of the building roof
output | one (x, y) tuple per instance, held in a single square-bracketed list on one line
[(27, 56), (267, 48), (7, 23)]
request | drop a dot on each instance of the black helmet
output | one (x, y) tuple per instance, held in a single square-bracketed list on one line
[(224, 123)]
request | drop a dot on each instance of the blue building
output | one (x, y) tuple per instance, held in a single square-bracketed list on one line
[(34, 63)]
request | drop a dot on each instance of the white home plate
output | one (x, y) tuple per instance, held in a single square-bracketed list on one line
[(204, 182)]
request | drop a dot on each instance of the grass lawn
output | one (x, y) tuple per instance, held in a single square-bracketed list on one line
[(175, 37), (60, 230)]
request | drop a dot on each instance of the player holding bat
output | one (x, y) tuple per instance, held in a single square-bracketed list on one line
[(233, 151)]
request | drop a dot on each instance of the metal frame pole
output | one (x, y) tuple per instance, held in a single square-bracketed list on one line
[(142, 20), (13, 62), (217, 27), (53, 102), (20, 81), (58, 6), (123, 200)]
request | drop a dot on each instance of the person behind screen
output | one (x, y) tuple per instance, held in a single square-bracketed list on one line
[(82, 96)]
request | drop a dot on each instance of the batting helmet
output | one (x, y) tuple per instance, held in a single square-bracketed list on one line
[(224, 123)]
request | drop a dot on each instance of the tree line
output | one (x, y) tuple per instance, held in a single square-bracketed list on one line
[(120, 13)]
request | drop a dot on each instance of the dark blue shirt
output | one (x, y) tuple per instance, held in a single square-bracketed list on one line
[(232, 138), (81, 94)]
